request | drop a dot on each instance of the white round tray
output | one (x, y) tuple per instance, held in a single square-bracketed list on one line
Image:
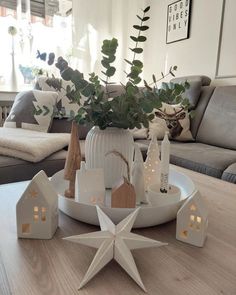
[(148, 215)]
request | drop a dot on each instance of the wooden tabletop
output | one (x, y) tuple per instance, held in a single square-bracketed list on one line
[(38, 267)]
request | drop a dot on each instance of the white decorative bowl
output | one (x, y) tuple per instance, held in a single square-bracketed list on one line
[(149, 215)]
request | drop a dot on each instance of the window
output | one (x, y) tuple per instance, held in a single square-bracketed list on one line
[(25, 228), (19, 47), (195, 222), (36, 213), (43, 214)]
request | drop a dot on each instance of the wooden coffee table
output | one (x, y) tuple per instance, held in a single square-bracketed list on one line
[(38, 267)]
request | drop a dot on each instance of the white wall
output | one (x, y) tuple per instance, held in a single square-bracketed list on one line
[(193, 56)]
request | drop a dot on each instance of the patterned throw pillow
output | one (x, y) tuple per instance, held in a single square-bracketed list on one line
[(32, 110), (64, 105), (173, 119)]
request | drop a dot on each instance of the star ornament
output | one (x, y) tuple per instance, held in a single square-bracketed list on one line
[(114, 242)]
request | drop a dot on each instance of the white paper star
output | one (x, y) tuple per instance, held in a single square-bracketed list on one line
[(114, 241)]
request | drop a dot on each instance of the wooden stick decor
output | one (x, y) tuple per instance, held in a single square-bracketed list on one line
[(73, 160)]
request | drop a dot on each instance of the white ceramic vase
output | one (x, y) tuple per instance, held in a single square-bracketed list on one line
[(97, 146)]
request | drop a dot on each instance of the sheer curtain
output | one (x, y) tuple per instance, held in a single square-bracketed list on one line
[(94, 21), (18, 62)]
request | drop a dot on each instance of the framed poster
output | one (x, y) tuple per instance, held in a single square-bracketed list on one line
[(226, 62), (178, 20)]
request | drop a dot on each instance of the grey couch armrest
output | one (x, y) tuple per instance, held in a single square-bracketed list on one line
[(230, 173)]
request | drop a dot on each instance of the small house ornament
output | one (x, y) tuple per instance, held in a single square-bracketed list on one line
[(90, 185), (37, 209), (123, 194), (137, 176), (152, 164), (192, 221)]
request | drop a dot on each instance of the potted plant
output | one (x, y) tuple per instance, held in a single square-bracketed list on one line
[(112, 118)]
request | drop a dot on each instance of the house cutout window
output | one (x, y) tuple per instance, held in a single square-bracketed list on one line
[(43, 216), (195, 222), (36, 213), (33, 194), (184, 234), (25, 228), (193, 207), (199, 220)]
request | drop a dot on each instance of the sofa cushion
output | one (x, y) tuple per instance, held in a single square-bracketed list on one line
[(218, 124), (199, 157), (32, 110), (230, 173), (202, 158), (64, 105), (166, 119), (13, 169), (64, 126), (196, 82)]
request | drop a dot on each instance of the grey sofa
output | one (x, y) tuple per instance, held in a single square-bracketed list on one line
[(213, 127)]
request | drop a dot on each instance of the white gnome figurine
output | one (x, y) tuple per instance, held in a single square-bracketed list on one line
[(137, 176)]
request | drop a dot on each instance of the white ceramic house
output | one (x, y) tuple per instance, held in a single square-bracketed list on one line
[(192, 221), (90, 185), (37, 209)]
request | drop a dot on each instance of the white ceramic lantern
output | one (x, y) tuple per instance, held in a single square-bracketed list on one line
[(192, 221), (37, 209), (89, 185)]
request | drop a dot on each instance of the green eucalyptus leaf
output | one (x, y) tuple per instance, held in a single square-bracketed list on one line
[(135, 39), (141, 38), (154, 78), (141, 28), (137, 27), (105, 64), (137, 63), (137, 50), (137, 80), (145, 18), (110, 72), (147, 9)]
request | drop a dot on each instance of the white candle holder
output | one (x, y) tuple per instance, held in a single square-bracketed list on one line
[(156, 198)]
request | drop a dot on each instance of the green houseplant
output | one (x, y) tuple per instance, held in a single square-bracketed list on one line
[(131, 109)]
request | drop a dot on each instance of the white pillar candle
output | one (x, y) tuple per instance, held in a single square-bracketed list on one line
[(165, 161), (137, 176)]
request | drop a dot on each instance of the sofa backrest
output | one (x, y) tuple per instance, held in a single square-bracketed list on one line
[(218, 123), (199, 94), (194, 91), (205, 95)]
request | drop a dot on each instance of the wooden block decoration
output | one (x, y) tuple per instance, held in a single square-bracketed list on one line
[(90, 185), (192, 221), (123, 195), (73, 160), (37, 209)]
